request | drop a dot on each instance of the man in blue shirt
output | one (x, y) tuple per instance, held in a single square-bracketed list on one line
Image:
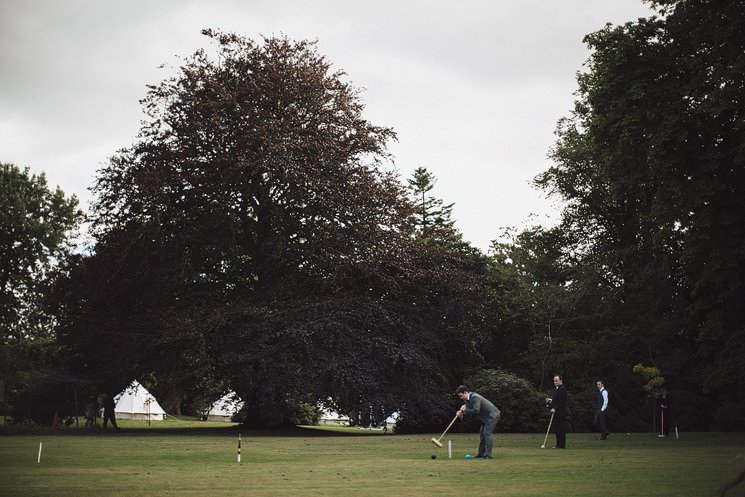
[(602, 407), (488, 415)]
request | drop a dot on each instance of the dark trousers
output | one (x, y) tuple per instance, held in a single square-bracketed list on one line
[(109, 417), (600, 424), (486, 438), (560, 422)]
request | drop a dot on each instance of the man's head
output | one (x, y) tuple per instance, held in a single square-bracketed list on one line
[(558, 380), (600, 384), (462, 392)]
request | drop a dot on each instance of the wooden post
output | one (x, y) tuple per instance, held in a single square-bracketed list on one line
[(239, 448)]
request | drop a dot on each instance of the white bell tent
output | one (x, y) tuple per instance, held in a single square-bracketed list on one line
[(135, 402), (225, 407)]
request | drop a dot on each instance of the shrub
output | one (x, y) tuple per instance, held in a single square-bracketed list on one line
[(522, 406), (305, 413)]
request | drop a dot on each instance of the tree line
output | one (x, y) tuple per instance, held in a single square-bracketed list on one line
[(253, 238)]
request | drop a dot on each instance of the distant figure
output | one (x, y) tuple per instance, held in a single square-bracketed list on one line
[(108, 412), (559, 408), (90, 413), (56, 422), (666, 418), (602, 406)]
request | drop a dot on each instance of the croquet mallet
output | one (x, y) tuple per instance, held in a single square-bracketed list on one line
[(436, 441), (547, 430)]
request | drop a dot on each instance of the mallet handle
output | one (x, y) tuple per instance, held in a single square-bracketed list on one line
[(549, 428), (446, 429)]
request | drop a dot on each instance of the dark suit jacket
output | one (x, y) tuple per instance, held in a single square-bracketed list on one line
[(559, 401)]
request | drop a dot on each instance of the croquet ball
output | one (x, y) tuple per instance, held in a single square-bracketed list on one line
[(434, 456), (468, 456)]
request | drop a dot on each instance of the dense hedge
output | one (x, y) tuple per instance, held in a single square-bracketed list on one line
[(521, 405)]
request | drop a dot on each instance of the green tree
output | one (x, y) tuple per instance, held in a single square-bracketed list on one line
[(434, 225), (432, 214), (536, 292), (36, 226), (649, 165), (707, 43), (652, 377)]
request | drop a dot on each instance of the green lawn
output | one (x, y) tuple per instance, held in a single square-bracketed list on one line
[(184, 461)]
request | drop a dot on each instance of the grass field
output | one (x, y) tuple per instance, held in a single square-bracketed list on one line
[(197, 459)]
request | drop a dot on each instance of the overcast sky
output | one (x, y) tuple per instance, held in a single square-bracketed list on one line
[(473, 88)]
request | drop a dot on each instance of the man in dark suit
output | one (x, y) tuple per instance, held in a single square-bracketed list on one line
[(559, 410), (108, 412), (488, 415)]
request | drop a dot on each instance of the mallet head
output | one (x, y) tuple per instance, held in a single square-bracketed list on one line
[(436, 442)]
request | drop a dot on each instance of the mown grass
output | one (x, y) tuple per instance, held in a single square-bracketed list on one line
[(189, 461)]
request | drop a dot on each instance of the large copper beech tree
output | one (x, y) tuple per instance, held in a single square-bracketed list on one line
[(252, 237)]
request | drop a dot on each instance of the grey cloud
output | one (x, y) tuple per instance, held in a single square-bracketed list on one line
[(473, 88)]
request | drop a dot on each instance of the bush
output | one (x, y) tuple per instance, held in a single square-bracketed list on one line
[(522, 406), (305, 413), (427, 414)]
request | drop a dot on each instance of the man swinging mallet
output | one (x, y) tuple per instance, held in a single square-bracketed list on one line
[(488, 415)]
